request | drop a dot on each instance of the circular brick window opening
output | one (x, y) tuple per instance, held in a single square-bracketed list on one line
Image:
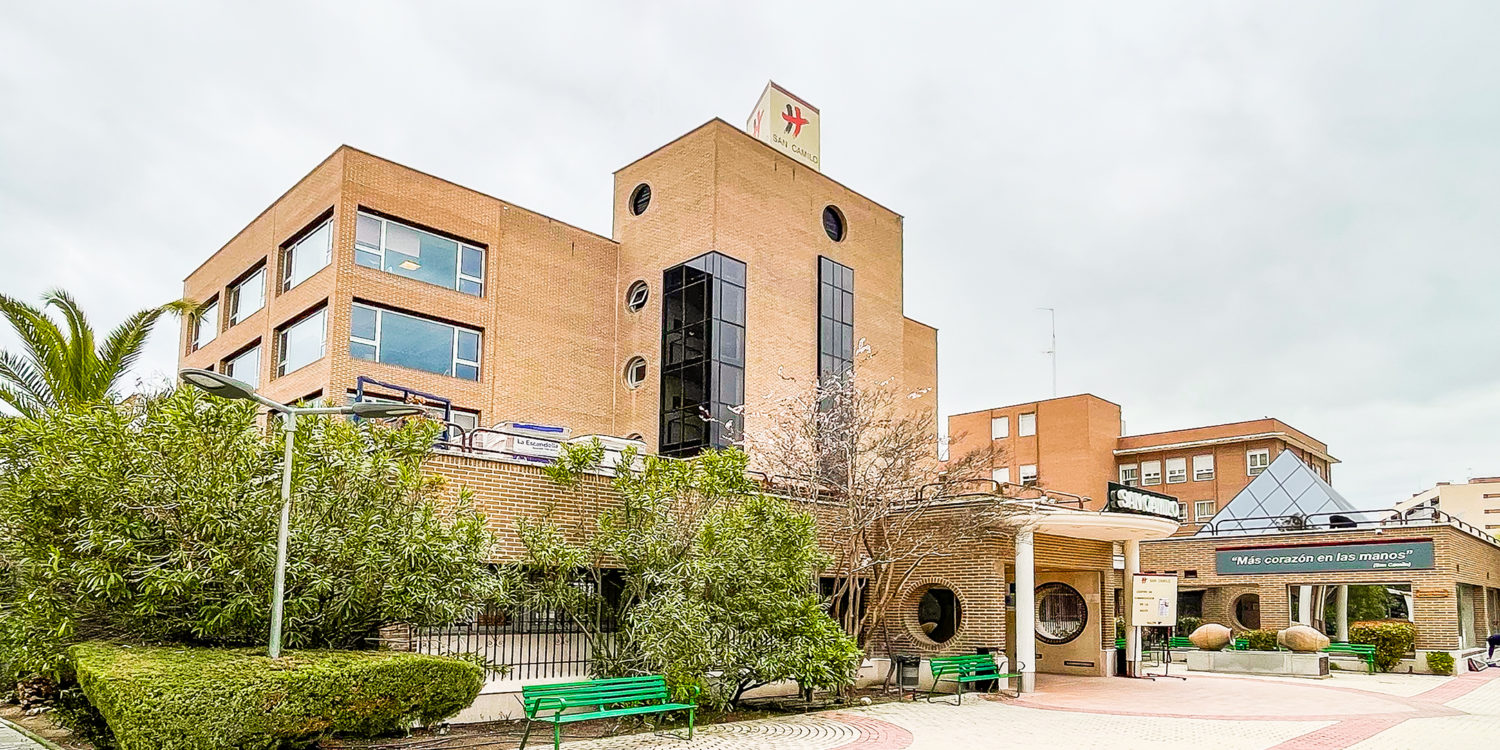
[(934, 613), (635, 372), (640, 199), (1061, 613), (637, 295), (833, 223), (1247, 611)]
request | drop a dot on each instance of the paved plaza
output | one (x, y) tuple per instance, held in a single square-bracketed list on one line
[(1389, 712)]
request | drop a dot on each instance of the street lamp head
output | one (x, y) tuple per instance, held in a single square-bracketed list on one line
[(216, 384), (372, 410)]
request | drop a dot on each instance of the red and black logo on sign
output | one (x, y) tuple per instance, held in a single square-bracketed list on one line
[(794, 120)]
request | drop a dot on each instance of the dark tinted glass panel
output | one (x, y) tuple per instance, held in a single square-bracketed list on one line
[(835, 318), (415, 343), (703, 350)]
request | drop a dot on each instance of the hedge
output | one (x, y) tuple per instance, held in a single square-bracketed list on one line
[(1261, 640), (162, 698), (1392, 640)]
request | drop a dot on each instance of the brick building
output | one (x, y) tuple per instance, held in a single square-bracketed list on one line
[(1077, 445), (733, 266), (730, 265), (1476, 502)]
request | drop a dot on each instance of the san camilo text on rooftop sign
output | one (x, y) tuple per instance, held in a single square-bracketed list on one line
[(1414, 554)]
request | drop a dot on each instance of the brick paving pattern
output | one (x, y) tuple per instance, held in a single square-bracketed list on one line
[(1382, 712)]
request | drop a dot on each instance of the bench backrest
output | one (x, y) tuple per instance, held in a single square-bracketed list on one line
[(965, 663), (1353, 648), (651, 688)]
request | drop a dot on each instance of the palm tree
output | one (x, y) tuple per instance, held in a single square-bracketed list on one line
[(61, 368)]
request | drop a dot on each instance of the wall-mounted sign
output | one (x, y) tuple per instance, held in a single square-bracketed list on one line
[(789, 124), (1154, 601), (1399, 554), (1123, 499)]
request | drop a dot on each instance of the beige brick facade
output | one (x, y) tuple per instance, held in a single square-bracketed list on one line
[(556, 333), (1460, 557)]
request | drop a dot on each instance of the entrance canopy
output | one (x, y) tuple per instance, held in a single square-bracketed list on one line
[(1098, 525)]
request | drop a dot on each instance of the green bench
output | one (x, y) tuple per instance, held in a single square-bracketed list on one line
[(598, 699), (1364, 651), (965, 669)]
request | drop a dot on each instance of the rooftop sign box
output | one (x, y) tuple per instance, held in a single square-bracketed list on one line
[(1410, 554), (788, 124), (1126, 499)]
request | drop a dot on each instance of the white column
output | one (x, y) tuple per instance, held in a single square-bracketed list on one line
[(1341, 611), (1026, 610), (1132, 633), (1304, 605)]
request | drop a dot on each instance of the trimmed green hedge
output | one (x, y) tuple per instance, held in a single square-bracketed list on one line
[(1261, 640), (162, 698), (1439, 662), (1392, 640)]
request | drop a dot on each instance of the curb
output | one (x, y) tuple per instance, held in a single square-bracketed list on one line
[(30, 735)]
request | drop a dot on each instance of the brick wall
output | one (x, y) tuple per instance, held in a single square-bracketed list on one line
[(1458, 558)]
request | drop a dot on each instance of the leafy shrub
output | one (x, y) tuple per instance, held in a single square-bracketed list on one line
[(1119, 627), (155, 521), (1187, 624), (713, 585), (1439, 662), (1392, 640), (1261, 640), (160, 698)]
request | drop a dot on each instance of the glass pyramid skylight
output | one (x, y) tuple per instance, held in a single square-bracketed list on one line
[(1279, 499)]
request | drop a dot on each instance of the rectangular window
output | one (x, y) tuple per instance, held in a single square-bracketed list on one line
[(302, 343), (1203, 510), (1203, 468), (1026, 424), (395, 248), (306, 256), (835, 318), (702, 354), (1150, 473), (393, 338), (1001, 475), (1176, 470), (1028, 474), (1130, 475), (999, 427), (206, 325), (245, 366), (247, 297), (1257, 460)]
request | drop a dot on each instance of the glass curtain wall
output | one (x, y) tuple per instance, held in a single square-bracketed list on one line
[(703, 354)]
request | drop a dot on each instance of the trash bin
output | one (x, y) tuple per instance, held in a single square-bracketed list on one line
[(908, 672), (985, 685)]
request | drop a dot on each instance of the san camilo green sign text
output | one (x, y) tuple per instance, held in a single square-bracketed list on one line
[(1412, 555)]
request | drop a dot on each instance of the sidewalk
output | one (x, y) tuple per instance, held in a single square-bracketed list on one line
[(12, 739)]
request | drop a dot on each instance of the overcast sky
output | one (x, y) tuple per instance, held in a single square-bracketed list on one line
[(1238, 209)]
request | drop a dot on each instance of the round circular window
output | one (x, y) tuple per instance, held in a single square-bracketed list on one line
[(935, 613), (640, 198), (636, 296), (635, 372), (833, 223), (1061, 613), (1247, 611)]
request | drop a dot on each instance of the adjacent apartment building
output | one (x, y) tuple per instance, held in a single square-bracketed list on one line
[(1475, 502), (1076, 445), (731, 267)]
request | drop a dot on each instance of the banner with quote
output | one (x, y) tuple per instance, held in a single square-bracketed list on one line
[(1401, 554)]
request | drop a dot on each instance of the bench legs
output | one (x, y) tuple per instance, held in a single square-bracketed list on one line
[(525, 735)]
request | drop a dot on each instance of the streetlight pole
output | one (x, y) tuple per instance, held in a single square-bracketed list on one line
[(224, 386), (1052, 352)]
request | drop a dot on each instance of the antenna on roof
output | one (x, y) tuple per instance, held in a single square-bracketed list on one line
[(1052, 352)]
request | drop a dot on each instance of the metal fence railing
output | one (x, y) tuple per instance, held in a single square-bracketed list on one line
[(531, 643)]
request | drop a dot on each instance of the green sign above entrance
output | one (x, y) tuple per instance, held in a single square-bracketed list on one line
[(1319, 558)]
